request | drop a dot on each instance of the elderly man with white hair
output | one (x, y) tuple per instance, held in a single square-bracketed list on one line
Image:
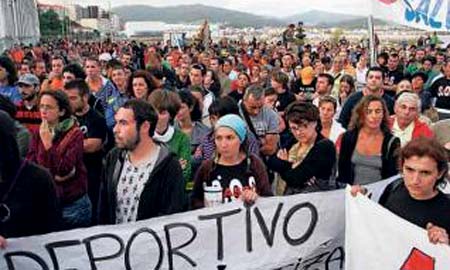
[(406, 123)]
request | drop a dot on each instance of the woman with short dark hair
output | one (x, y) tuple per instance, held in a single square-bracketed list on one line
[(416, 196), (308, 165)]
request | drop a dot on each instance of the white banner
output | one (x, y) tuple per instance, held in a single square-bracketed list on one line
[(294, 232), (376, 239), (433, 15)]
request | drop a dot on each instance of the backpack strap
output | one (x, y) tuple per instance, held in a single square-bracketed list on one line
[(248, 120)]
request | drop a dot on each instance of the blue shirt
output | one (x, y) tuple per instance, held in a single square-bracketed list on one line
[(114, 103), (11, 92)]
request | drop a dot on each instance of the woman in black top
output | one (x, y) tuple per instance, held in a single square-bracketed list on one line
[(416, 197), (308, 165), (367, 150)]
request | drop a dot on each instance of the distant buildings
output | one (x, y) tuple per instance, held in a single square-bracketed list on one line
[(91, 17)]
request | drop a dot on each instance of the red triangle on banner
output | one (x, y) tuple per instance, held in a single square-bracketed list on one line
[(418, 260)]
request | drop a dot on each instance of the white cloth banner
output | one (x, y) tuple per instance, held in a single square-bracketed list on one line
[(377, 239), (431, 15), (303, 231)]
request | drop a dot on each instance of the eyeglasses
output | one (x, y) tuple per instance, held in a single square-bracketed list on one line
[(301, 126), (44, 107)]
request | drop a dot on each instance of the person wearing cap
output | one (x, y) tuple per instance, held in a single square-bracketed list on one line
[(27, 110), (308, 165), (303, 86), (235, 173), (104, 58)]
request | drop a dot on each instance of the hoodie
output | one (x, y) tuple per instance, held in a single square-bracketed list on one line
[(163, 193)]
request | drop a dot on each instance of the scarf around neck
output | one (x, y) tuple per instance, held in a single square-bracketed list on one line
[(166, 137)]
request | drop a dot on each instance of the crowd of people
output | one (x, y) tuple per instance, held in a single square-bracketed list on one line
[(110, 133)]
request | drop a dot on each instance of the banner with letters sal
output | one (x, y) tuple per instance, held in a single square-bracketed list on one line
[(376, 239), (293, 232), (432, 15)]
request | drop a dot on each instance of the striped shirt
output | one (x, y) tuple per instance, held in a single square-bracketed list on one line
[(29, 117)]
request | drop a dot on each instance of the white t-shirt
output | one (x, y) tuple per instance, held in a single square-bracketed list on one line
[(131, 184)]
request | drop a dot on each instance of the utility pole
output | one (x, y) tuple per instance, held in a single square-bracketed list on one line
[(111, 32), (15, 21), (372, 42)]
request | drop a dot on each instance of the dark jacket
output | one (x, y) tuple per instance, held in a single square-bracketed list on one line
[(25, 188), (318, 163), (33, 204), (389, 149), (163, 193)]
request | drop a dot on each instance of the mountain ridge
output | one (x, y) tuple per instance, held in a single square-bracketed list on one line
[(198, 12)]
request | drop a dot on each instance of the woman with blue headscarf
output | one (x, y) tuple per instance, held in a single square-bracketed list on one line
[(233, 174)]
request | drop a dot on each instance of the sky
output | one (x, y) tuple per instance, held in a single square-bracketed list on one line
[(275, 8)]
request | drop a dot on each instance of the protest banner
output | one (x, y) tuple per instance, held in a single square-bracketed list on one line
[(377, 239), (433, 15), (304, 231)]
